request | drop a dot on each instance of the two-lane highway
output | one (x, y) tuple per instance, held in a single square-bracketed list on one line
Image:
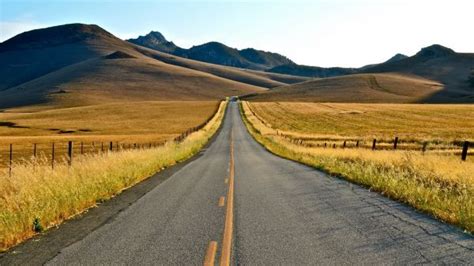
[(282, 213)]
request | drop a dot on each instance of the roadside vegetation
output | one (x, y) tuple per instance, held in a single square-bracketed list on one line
[(437, 183), (36, 197)]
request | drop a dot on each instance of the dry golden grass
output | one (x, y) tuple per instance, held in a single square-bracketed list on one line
[(123, 123), (410, 122), (36, 192), (441, 185)]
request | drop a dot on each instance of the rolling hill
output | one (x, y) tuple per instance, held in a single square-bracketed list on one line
[(362, 88), (312, 71), (437, 63), (121, 77), (78, 64), (215, 53)]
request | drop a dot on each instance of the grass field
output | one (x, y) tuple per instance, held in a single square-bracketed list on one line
[(440, 184), (441, 126), (121, 123), (35, 192)]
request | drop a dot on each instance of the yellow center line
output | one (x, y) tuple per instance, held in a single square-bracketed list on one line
[(221, 201), (229, 218), (210, 254)]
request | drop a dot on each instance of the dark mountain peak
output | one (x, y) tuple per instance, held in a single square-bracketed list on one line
[(212, 45), (434, 51), (215, 52), (155, 40), (265, 58), (54, 36), (157, 35), (152, 37), (396, 58)]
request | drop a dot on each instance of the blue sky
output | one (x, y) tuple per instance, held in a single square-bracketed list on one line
[(323, 33)]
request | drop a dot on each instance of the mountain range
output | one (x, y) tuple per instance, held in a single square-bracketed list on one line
[(435, 62), (79, 64), (215, 52)]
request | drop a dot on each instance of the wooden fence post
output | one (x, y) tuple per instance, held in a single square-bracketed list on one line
[(11, 161), (374, 143), (52, 157), (425, 144), (69, 152), (395, 143), (344, 144), (111, 147), (465, 147), (357, 144), (34, 150)]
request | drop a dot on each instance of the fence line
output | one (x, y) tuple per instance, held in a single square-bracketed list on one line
[(69, 153), (396, 141)]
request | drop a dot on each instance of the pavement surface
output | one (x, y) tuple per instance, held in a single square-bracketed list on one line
[(281, 213)]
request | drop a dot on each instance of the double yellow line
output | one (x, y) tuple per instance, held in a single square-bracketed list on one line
[(229, 219)]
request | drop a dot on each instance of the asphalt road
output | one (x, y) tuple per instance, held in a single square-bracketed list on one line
[(283, 213)]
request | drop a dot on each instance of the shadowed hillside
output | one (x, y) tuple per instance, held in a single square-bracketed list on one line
[(67, 62), (257, 78), (312, 71), (82, 64), (32, 54), (364, 88), (437, 63), (119, 77)]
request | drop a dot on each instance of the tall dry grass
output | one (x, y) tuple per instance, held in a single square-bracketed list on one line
[(441, 185), (35, 192)]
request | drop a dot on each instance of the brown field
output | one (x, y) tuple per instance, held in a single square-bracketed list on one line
[(121, 123), (437, 183)]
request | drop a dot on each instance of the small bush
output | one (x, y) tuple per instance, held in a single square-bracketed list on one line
[(37, 227)]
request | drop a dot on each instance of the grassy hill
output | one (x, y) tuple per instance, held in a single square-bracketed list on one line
[(256, 78), (79, 64), (105, 80), (440, 64), (364, 88), (312, 71)]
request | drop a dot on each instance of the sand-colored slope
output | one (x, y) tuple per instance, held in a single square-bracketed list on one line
[(253, 77), (103, 80), (385, 88)]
